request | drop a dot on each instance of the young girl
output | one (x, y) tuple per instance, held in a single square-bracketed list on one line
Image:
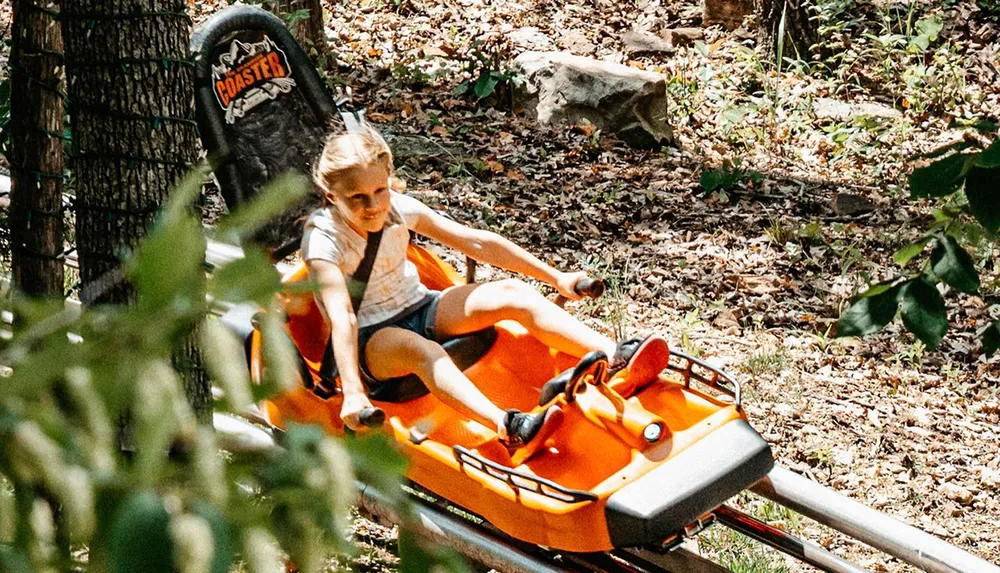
[(399, 326)]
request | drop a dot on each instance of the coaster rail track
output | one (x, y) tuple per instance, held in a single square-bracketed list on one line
[(485, 545)]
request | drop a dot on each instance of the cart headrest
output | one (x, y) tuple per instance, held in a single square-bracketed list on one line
[(262, 109)]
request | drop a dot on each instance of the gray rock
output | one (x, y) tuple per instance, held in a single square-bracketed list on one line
[(836, 110), (641, 41), (561, 87)]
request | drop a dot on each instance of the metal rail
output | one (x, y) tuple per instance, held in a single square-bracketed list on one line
[(785, 542), (480, 546), (865, 524)]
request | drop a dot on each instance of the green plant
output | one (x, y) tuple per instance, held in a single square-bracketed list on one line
[(612, 307), (915, 294), (892, 50), (728, 176), (820, 457), (486, 69), (777, 232), (421, 71), (768, 360), (173, 501), (741, 554), (911, 355)]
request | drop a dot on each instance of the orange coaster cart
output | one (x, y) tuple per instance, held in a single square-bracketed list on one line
[(628, 465)]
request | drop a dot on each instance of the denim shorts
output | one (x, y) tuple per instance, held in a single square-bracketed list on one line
[(418, 318)]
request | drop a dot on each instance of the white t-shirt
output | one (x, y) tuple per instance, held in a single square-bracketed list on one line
[(393, 285)]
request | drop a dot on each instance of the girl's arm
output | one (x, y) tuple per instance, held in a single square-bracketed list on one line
[(487, 247), (336, 306)]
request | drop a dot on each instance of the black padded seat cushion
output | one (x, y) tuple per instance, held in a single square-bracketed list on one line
[(463, 350)]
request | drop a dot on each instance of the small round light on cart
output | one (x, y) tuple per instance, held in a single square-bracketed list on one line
[(653, 433)]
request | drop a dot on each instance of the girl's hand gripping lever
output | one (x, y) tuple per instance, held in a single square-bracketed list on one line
[(585, 287), (372, 417)]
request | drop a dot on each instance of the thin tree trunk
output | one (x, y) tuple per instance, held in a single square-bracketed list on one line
[(798, 35), (131, 88), (310, 31), (36, 152)]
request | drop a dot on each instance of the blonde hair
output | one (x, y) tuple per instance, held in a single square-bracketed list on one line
[(346, 151)]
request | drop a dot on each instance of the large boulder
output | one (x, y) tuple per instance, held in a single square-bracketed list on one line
[(628, 102)]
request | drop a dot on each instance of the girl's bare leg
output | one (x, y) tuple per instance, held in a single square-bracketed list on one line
[(468, 308), (393, 352)]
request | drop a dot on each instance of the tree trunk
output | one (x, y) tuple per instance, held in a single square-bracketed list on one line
[(131, 90), (799, 34), (36, 148), (309, 32)]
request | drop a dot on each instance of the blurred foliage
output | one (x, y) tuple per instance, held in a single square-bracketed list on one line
[(173, 501), (966, 175)]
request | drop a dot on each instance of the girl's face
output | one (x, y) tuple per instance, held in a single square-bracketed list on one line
[(362, 197)]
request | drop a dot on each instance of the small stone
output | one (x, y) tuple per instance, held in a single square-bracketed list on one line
[(922, 416), (531, 37), (682, 36), (848, 205), (566, 88), (989, 478), (576, 42), (957, 493), (784, 410), (640, 41), (844, 458), (836, 110)]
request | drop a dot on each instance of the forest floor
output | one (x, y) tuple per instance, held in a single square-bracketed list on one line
[(752, 278)]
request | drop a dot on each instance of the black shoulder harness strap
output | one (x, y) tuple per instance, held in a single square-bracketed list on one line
[(357, 283)]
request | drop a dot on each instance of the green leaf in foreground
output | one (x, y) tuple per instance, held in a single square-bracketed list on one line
[(922, 311), (953, 264), (869, 314), (169, 268), (990, 338), (991, 156), (139, 536), (284, 192), (903, 256), (250, 279), (981, 187), (942, 177)]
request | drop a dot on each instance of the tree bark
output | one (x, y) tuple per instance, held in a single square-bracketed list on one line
[(131, 88), (800, 33), (309, 32), (36, 148)]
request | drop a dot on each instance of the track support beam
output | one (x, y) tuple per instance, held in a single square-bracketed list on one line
[(888, 534)]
